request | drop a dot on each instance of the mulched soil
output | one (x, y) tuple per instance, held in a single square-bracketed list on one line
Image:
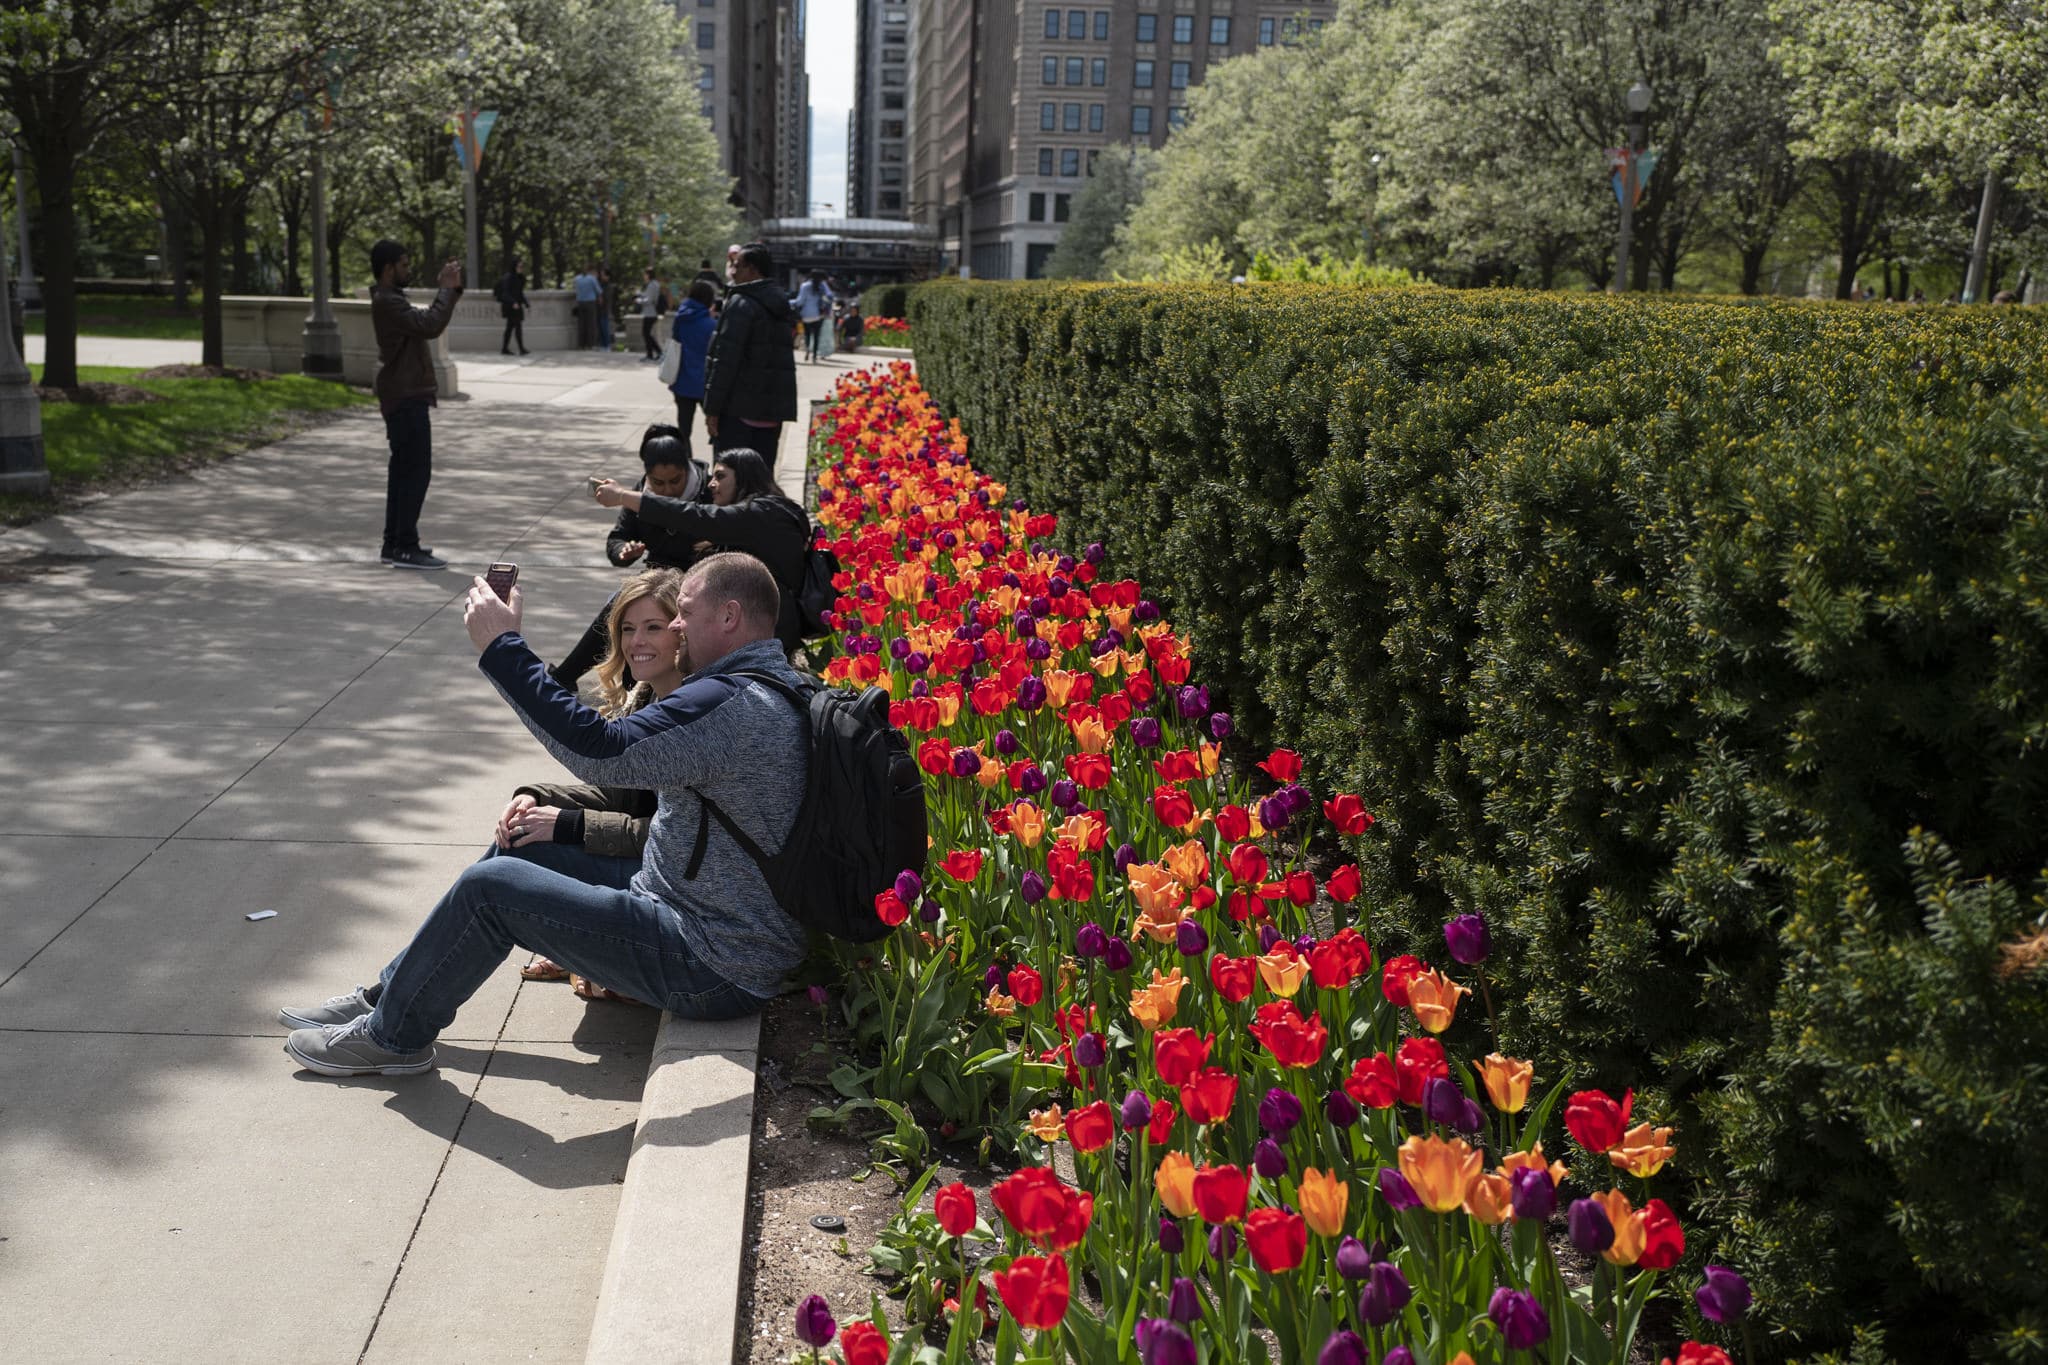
[(99, 393), (205, 372)]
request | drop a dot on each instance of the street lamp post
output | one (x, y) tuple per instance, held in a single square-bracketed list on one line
[(22, 467), (31, 292), (1638, 106), (1372, 227), (320, 352), (1980, 246)]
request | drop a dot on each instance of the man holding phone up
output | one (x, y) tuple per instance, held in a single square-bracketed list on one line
[(406, 392)]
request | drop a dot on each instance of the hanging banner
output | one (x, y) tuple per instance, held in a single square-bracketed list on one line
[(472, 130), (1620, 177)]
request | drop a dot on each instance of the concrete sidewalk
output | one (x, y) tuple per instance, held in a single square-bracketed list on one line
[(288, 725)]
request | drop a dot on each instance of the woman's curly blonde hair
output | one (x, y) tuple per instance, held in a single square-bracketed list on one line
[(665, 587)]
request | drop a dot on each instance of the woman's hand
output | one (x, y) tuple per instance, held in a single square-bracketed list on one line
[(703, 547), (631, 551), (536, 826), (509, 822)]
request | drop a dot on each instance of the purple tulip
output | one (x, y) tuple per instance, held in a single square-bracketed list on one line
[(1059, 587), (1354, 1262), (1039, 604), (814, 1325), (993, 977), (1268, 936), (1222, 1242), (899, 648), (1170, 1239), (1090, 941), (1145, 732), (1191, 938), (929, 911), (909, 886), (1340, 1109), (1103, 645), (1275, 812), (1468, 939), (1065, 794), (818, 995), (1220, 726), (1343, 1348), (1006, 742), (1440, 1098), (1184, 1300), (1089, 1050), (1162, 1341), (966, 763), (1279, 1112), (1031, 781), (1399, 1194), (917, 661), (1385, 1294), (1400, 1355), (1117, 956), (920, 688), (1532, 1193), (1033, 887), (1031, 692), (1724, 1298), (1193, 702), (1038, 650), (1146, 610), (1591, 1230), (1268, 1160), (1299, 802), (1136, 1111), (1095, 554), (1126, 854), (1523, 1323)]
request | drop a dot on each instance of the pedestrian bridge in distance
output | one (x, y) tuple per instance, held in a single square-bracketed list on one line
[(869, 250)]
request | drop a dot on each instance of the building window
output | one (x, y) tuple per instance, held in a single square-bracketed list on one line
[(1141, 118), (1045, 161), (1219, 32), (1074, 70), (1183, 28), (1052, 23), (1315, 26), (1098, 71), (1038, 207), (711, 116), (1049, 71), (1177, 76), (1148, 28), (1094, 118), (892, 101), (1141, 75), (1036, 254), (707, 35), (1265, 33), (1071, 118), (1048, 116), (893, 77), (892, 199), (1077, 23), (892, 175), (892, 54), (893, 152), (896, 16), (707, 78), (1176, 116), (892, 127), (1061, 204), (1070, 162), (1102, 26)]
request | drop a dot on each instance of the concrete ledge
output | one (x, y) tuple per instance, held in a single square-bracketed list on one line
[(672, 1277)]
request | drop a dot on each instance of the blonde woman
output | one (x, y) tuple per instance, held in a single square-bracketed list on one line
[(565, 827)]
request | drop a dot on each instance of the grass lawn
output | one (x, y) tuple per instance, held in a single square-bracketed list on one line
[(130, 315), (88, 444)]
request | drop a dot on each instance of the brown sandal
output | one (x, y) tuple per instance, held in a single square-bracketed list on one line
[(586, 989), (543, 968)]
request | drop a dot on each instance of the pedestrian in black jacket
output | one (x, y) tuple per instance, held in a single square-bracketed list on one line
[(510, 292), (750, 376), (746, 513)]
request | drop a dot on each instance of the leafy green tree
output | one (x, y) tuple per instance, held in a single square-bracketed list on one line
[(1103, 206)]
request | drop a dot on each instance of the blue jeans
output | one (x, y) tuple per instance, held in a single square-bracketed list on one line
[(555, 899)]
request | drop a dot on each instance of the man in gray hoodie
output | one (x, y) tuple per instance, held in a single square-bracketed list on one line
[(696, 929)]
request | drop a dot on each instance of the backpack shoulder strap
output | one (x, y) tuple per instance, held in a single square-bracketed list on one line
[(708, 807)]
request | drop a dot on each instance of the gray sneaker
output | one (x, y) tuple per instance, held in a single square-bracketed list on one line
[(346, 1050), (340, 1010)]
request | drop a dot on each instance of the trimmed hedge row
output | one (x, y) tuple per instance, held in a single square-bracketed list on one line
[(1700, 646)]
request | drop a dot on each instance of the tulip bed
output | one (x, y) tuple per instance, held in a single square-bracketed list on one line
[(1123, 963), (888, 331)]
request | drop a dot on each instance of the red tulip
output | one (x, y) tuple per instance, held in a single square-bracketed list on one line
[(1295, 1042), (1026, 985), (1033, 1202), (1035, 1291), (1220, 1193), (890, 909), (1416, 1062), (1208, 1096), (1178, 1053), (1595, 1121), (1233, 823), (962, 864), (1243, 907), (935, 756), (1343, 884), (1278, 1239), (1182, 766), (1160, 1126), (1282, 765), (1335, 961), (1372, 1082), (1233, 977), (1092, 1127), (1348, 814), (1247, 863), (1663, 1238), (1090, 771), (1396, 975), (956, 1209), (863, 1343), (1073, 877)]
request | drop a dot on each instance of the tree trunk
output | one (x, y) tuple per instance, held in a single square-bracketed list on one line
[(242, 278), (213, 231), (1753, 267), (56, 170)]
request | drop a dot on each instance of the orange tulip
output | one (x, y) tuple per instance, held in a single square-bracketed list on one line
[(1324, 1197), (998, 1004), (1175, 1181), (1506, 1081), (1628, 1228), (1188, 862), (1282, 972), (1490, 1199), (1027, 824), (1533, 1159), (1434, 998), (1157, 894), (1091, 735), (1157, 1003), (1441, 1171), (1047, 1125), (1643, 1150)]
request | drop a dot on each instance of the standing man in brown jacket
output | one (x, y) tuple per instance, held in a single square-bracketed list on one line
[(406, 392)]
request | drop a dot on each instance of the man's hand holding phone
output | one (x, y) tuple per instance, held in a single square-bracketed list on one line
[(451, 275), (487, 616)]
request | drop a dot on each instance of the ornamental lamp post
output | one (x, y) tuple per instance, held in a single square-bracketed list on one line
[(22, 467), (1638, 107), (1372, 225)]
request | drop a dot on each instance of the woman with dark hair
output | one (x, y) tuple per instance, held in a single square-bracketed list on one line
[(669, 473), (746, 512)]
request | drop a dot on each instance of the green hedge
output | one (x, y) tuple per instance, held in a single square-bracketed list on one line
[(1701, 646), (887, 301)]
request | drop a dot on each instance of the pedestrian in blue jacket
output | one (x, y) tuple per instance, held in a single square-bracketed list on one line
[(692, 330)]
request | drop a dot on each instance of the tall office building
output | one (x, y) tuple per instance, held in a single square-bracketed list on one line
[(878, 134), (750, 56), (1014, 100)]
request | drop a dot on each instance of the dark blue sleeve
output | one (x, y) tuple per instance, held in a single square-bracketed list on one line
[(554, 713)]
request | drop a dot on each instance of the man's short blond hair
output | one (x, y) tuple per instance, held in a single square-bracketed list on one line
[(731, 576)]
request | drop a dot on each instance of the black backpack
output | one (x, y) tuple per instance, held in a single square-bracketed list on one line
[(861, 820), (815, 595)]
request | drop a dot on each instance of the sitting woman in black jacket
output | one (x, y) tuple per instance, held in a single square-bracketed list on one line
[(746, 513), (670, 473)]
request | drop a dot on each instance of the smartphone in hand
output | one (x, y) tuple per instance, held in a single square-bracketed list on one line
[(500, 579)]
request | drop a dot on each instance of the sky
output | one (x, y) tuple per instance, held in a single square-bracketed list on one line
[(828, 60)]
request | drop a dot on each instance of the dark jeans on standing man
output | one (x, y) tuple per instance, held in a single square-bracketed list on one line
[(586, 324), (733, 434), (515, 330), (686, 416), (647, 342), (409, 427)]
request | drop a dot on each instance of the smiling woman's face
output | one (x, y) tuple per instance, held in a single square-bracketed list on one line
[(646, 642)]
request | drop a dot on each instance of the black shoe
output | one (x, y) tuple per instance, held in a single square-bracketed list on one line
[(384, 556), (416, 559), (524, 351), (503, 351)]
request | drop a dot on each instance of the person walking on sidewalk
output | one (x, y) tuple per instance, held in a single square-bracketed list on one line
[(651, 292), (696, 929), (406, 392), (585, 285), (692, 330), (510, 293), (814, 300), (750, 376)]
